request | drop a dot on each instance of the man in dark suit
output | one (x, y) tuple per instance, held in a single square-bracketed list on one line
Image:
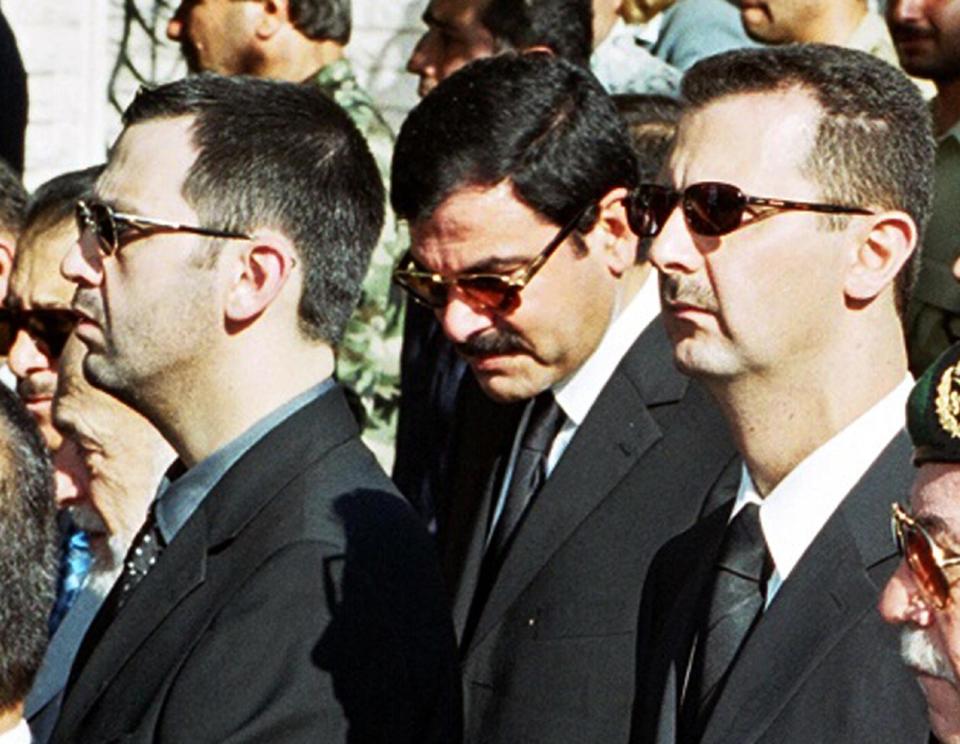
[(802, 177), (579, 449), (279, 590)]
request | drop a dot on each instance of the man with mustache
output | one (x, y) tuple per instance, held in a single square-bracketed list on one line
[(921, 597), (782, 232), (108, 468), (927, 37), (579, 449)]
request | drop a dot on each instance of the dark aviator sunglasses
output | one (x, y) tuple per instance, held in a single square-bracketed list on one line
[(710, 208)]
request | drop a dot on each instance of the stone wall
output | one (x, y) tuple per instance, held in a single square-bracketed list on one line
[(70, 49)]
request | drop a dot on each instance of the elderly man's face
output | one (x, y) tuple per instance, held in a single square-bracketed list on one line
[(40, 299), (768, 293), (927, 36), (454, 36), (930, 642), (148, 310)]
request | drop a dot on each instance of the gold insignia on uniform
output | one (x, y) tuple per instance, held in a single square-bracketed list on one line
[(948, 401)]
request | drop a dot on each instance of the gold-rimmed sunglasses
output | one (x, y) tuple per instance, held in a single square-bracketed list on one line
[(494, 291), (925, 557)]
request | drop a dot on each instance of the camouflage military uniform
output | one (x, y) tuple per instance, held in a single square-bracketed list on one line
[(368, 360)]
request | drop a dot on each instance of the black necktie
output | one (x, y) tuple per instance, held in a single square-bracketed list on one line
[(735, 603), (529, 469)]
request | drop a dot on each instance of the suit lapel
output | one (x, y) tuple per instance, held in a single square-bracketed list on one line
[(615, 434), (52, 676), (685, 569), (827, 593), (245, 490), (109, 645)]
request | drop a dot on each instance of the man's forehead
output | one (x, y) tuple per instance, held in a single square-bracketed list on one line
[(453, 13), (36, 280), (734, 136), (150, 160)]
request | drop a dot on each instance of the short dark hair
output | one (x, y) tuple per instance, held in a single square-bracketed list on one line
[(328, 20), (563, 26), (28, 549), (652, 122), (874, 143), (282, 155), (536, 120), (13, 200), (55, 200)]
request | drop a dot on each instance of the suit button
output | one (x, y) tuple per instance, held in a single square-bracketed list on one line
[(531, 621)]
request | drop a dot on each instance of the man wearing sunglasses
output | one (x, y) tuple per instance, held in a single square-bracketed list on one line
[(783, 231), (34, 325), (921, 597), (579, 449), (280, 589)]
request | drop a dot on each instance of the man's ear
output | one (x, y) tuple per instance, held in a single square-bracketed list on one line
[(7, 249), (272, 16), (612, 233), (886, 246), (257, 276)]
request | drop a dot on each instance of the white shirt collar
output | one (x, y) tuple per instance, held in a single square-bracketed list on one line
[(794, 512), (577, 394), (20, 734)]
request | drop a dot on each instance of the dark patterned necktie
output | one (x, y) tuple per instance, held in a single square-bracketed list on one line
[(529, 469), (736, 602), (143, 554)]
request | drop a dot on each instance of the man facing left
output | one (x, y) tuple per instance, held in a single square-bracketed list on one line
[(280, 589)]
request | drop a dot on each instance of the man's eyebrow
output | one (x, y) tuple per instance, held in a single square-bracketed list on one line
[(938, 529)]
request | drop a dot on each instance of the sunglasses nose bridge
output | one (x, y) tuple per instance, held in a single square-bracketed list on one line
[(461, 316)]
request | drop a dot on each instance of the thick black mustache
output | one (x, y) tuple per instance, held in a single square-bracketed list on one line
[(493, 342), (908, 32)]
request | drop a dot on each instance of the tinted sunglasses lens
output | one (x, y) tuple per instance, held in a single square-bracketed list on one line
[(52, 327), (490, 291), (648, 209), (8, 330), (713, 209), (423, 289), (104, 226), (916, 549)]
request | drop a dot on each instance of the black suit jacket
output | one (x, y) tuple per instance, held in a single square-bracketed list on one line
[(549, 656), (820, 665), (300, 603)]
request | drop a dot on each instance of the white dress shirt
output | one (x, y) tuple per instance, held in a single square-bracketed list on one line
[(794, 512), (20, 734), (577, 394)]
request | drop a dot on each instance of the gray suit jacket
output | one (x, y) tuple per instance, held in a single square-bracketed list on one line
[(42, 706), (548, 654), (820, 665)]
